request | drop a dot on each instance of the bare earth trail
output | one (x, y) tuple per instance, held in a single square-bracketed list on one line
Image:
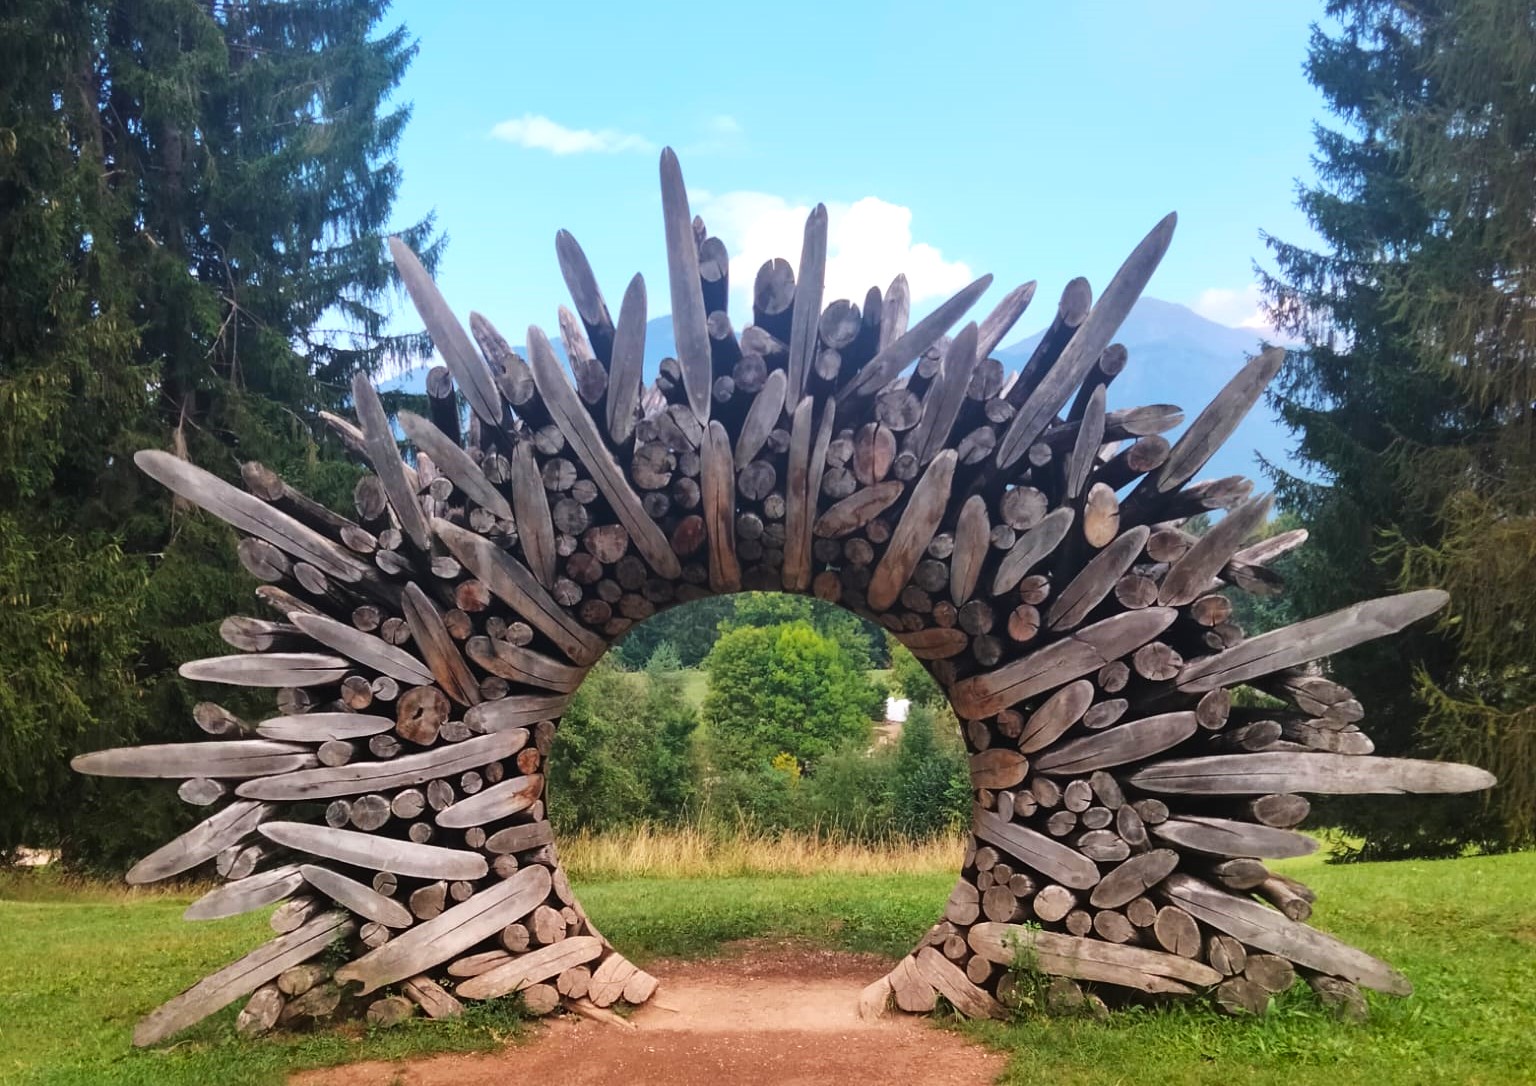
[(765, 1012)]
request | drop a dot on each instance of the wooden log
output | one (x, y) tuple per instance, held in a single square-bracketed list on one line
[(228, 760), (1124, 743), (1003, 317), (1224, 837), (200, 791), (437, 646), (855, 511), (455, 463), (1133, 878), (1091, 959), (1052, 858), (1270, 972), (370, 651), (454, 931), (1192, 574), (242, 977), (941, 406), (270, 669), (533, 967), (1031, 548), (383, 453), (260, 1012), (1096, 580), (515, 585), (1239, 996), (806, 312), (935, 642), (807, 460), (1326, 774), (1310, 640), (919, 521), (522, 666), (899, 353), (377, 853), (252, 516), (469, 370), (1073, 656), (510, 797), (587, 444), (719, 493), (1280, 810), (998, 768), (1048, 397), (1059, 712), (1283, 896), (1177, 932), (971, 538), (518, 711), (1340, 996), (1264, 928), (689, 326), (243, 895), (357, 898)]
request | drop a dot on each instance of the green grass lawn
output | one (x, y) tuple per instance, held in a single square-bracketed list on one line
[(76, 970)]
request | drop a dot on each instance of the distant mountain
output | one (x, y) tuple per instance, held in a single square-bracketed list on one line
[(1177, 356)]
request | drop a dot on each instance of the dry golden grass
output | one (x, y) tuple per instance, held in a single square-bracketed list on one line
[(690, 852)]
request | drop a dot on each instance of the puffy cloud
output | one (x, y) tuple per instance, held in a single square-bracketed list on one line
[(868, 243), (539, 133), (1242, 308)]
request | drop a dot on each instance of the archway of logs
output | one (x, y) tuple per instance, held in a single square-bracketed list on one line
[(1017, 535)]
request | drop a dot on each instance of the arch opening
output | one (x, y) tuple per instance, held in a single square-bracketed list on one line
[(1020, 537)]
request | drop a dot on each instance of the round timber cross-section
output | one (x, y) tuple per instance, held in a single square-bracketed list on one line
[(1022, 537)]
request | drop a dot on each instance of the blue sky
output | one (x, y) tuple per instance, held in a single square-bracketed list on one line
[(1031, 140)]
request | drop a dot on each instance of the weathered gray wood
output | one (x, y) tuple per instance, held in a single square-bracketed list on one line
[(1224, 837), (357, 898), (1083, 350), (455, 463), (520, 838), (518, 711), (469, 370), (321, 727), (761, 418), (1059, 712), (356, 778), (858, 509), (450, 933), (530, 501), (690, 329), (384, 454), (1091, 959), (437, 646), (998, 767), (935, 642), (1133, 878), (900, 353), (430, 996), (1085, 449), (1130, 742), (243, 895), (533, 967), (626, 372), (972, 532), (368, 650), (510, 797), (1052, 858), (941, 406), (1096, 580), (919, 520), (1191, 575), (1003, 317), (896, 307), (242, 977), (522, 665), (801, 487), (1031, 548), (577, 426), (952, 983), (1320, 774), (1072, 657), (1310, 640), (588, 299), (1215, 424), (806, 313), (251, 515), (222, 760), (377, 853), (718, 486), (512, 583), (1264, 928)]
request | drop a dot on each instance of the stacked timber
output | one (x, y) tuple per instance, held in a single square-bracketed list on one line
[(1023, 537)]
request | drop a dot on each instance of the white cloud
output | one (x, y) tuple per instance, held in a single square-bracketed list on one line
[(1240, 308), (868, 243), (539, 133)]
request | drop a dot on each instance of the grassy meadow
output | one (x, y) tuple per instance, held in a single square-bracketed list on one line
[(79, 963)]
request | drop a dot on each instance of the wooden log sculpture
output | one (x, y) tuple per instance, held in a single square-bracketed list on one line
[(1018, 534)]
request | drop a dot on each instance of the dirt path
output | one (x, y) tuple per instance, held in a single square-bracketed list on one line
[(766, 1012)]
